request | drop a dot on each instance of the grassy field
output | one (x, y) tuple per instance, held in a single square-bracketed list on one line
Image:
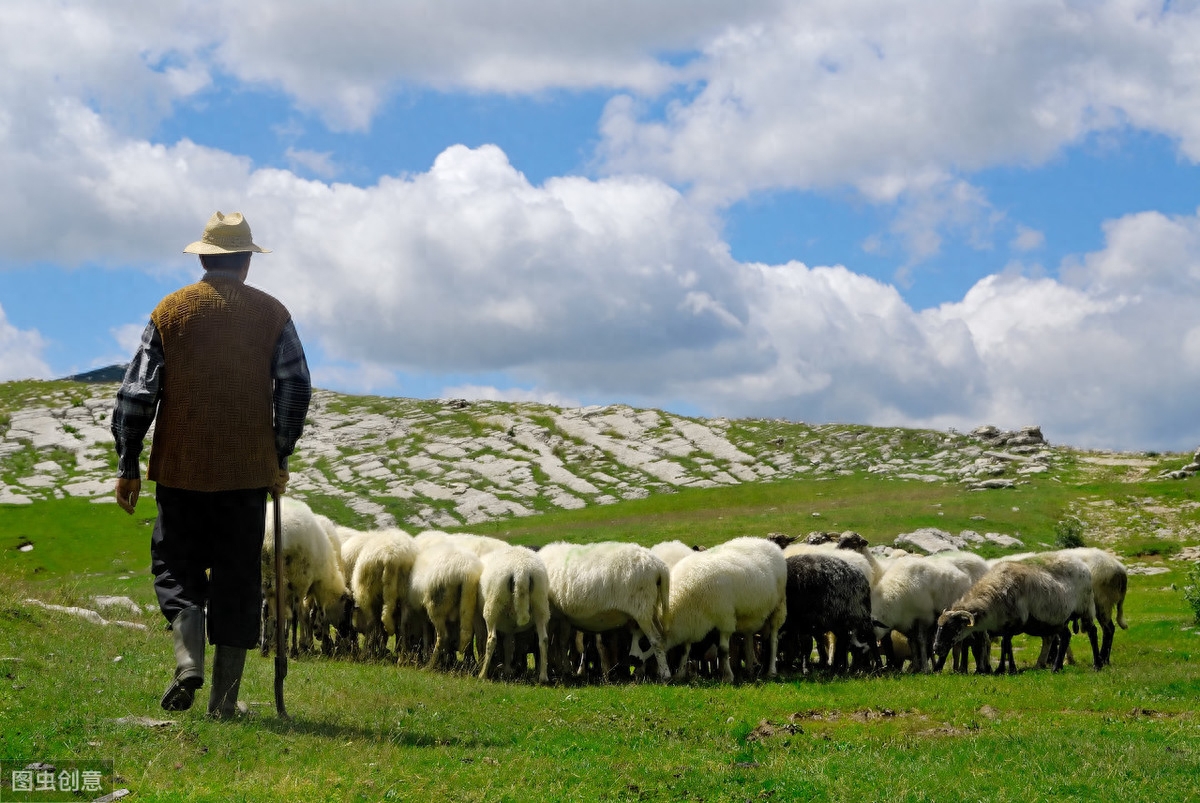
[(372, 731)]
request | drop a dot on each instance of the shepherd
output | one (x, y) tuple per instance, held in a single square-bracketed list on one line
[(221, 373)]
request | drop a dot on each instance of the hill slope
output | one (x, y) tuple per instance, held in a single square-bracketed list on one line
[(452, 463)]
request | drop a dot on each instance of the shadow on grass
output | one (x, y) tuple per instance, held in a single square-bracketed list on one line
[(404, 737)]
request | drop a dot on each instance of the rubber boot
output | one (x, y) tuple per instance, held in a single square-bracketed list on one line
[(188, 629), (228, 663)]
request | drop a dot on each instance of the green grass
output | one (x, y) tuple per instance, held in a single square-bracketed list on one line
[(370, 731), (373, 731)]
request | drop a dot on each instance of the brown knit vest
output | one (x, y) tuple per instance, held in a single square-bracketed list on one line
[(214, 430)]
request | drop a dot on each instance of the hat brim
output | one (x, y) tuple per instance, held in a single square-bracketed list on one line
[(201, 247)]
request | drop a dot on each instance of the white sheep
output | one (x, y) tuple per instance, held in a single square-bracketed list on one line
[(477, 544), (382, 567), (910, 596), (975, 568), (1110, 581), (607, 585), (444, 588), (739, 586), (672, 552), (513, 597), (314, 589)]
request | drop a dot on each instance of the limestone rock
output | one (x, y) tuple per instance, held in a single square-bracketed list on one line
[(929, 540)]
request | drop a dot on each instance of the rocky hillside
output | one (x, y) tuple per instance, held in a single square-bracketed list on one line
[(451, 463)]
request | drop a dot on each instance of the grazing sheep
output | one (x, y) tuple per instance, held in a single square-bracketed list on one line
[(599, 587), (852, 543), (1013, 597), (314, 589), (672, 552), (1110, 581), (909, 597), (828, 595), (478, 544), (380, 582), (445, 588), (736, 587), (1074, 573), (513, 598), (849, 555), (974, 566)]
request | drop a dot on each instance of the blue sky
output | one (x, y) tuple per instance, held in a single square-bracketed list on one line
[(819, 211)]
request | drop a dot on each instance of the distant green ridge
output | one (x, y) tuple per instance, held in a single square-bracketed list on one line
[(109, 373)]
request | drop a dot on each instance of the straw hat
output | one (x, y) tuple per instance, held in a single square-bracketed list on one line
[(225, 234)]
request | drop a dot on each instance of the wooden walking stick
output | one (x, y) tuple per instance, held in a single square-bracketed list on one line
[(280, 638)]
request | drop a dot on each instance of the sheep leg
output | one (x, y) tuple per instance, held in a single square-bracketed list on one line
[(543, 647), (916, 640), (441, 637), (268, 624), (1089, 627), (489, 651), (1006, 653), (294, 651), (581, 648), (654, 634), (981, 646), (1109, 629), (1065, 643), (778, 616), (510, 647), (684, 662), (822, 649), (840, 659), (804, 652), (748, 656), (723, 657), (606, 657)]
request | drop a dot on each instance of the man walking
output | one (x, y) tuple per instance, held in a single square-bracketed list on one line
[(222, 374)]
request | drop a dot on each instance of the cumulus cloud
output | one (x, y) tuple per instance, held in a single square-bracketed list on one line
[(877, 95), (21, 352), (621, 287), (893, 99), (1027, 239), (469, 267)]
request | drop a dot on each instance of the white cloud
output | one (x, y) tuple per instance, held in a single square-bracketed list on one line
[(622, 287), (317, 164), (343, 59), (21, 352), (129, 336), (1027, 239), (877, 95), (895, 99), (359, 377)]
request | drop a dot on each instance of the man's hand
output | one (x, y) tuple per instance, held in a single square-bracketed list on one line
[(127, 493), (280, 485)]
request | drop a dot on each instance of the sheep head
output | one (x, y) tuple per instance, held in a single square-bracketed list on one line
[(953, 627), (852, 540)]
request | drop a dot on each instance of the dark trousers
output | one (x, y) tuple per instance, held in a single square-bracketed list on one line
[(206, 550)]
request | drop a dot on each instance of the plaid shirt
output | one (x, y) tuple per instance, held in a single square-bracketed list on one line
[(137, 399)]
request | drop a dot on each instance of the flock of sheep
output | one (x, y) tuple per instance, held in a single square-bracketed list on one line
[(748, 607)]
